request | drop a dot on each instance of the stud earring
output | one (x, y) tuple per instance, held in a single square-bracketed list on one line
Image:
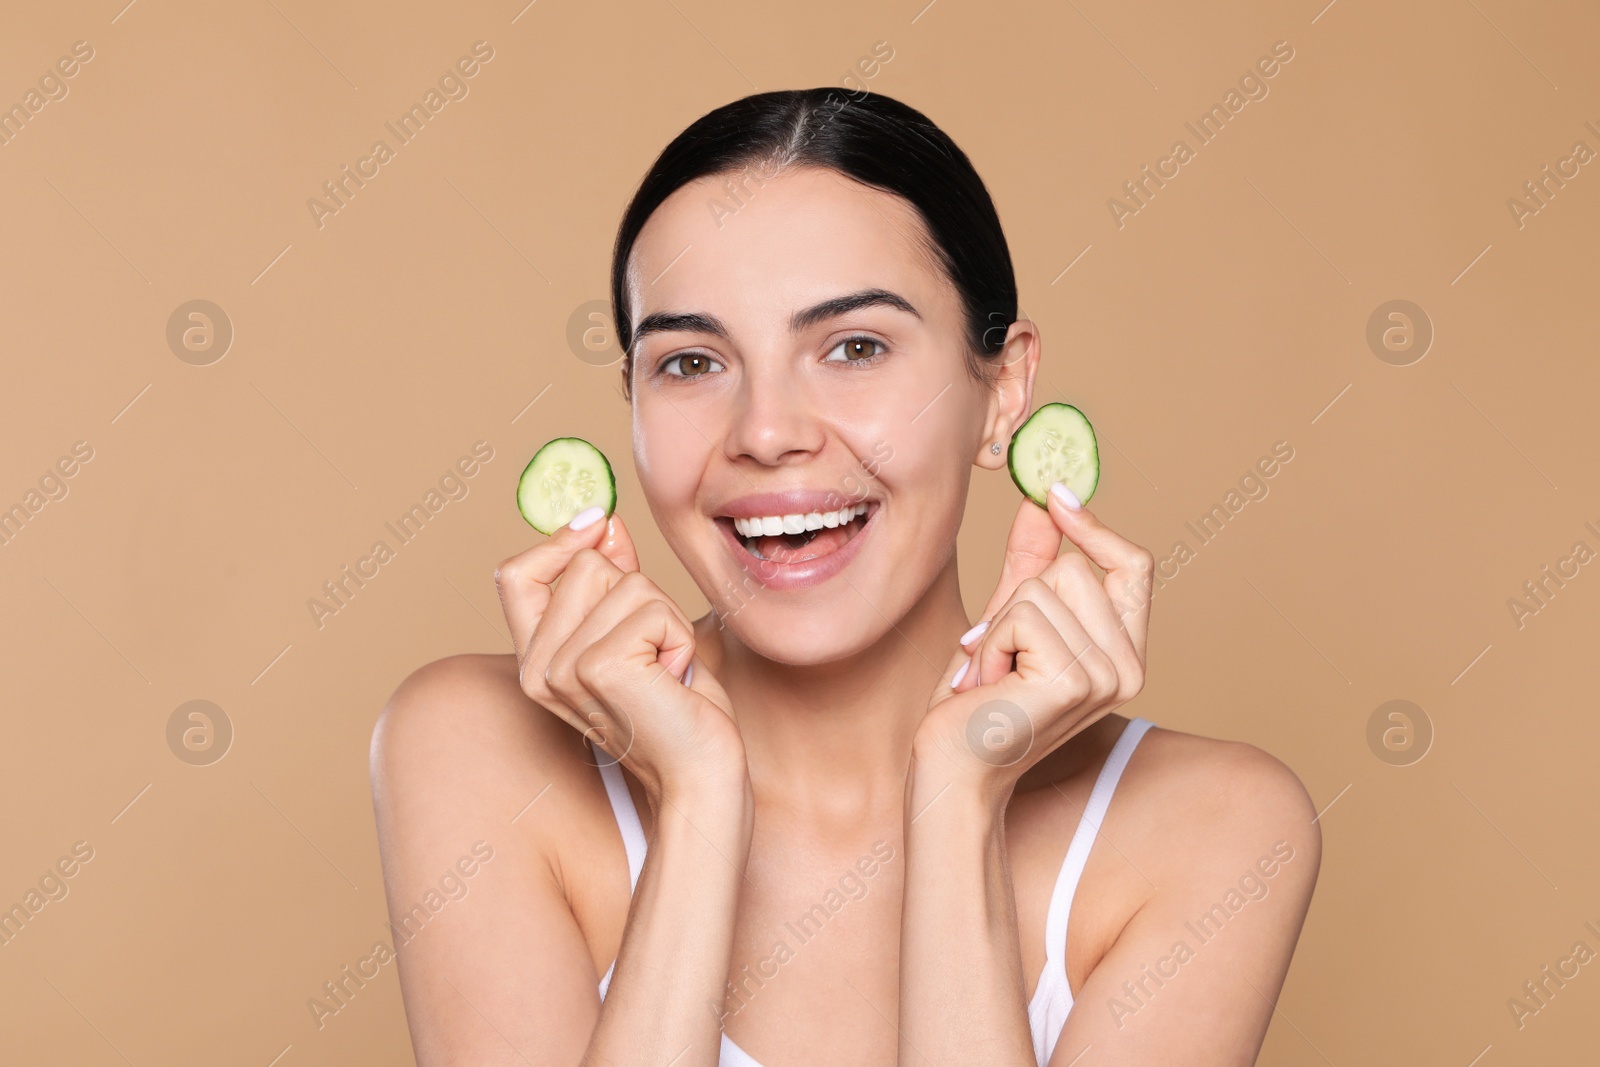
[(995, 448)]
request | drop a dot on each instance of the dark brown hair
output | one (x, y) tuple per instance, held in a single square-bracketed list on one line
[(868, 137)]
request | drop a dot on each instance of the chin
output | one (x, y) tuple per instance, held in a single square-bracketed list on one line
[(810, 636)]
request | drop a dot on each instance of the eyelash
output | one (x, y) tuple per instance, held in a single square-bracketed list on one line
[(664, 373), (874, 358), (853, 338)]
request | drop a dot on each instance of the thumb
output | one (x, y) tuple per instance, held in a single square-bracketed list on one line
[(944, 688), (617, 545), (1033, 544), (697, 678)]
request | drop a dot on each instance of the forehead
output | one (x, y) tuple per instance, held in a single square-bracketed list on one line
[(803, 236)]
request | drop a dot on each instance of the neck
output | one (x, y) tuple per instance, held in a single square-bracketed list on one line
[(835, 738)]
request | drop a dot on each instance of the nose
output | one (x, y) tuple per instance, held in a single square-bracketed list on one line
[(774, 422)]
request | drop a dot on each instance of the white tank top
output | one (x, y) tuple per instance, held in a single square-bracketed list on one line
[(1052, 998)]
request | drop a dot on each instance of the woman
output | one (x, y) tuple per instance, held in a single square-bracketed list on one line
[(839, 829)]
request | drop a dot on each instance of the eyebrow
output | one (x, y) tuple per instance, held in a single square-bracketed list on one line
[(697, 322)]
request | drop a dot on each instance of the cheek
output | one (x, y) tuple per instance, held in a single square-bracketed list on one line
[(669, 455), (926, 479), (921, 462), (926, 457)]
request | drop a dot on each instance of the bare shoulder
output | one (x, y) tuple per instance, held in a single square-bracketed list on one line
[(1198, 807), (463, 704), (1216, 860), (459, 740), (477, 789), (1214, 777)]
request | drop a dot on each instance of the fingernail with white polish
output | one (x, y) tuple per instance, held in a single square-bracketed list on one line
[(688, 674), (1066, 496), (588, 517), (960, 674), (974, 633)]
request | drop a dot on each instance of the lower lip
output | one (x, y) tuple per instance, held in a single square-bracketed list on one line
[(802, 575)]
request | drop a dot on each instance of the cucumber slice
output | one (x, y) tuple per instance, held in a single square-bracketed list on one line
[(1056, 444), (563, 478)]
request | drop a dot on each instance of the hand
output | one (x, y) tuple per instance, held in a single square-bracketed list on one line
[(612, 655), (1061, 649)]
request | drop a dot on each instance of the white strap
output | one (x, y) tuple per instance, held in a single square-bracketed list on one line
[(1052, 1000), (1055, 927), (1046, 1006), (734, 1056), (633, 842), (626, 814)]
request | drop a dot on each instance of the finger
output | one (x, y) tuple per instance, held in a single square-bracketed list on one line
[(1021, 637), (524, 580), (594, 672), (629, 657), (698, 677), (1039, 633), (628, 594), (597, 671), (617, 545), (1075, 582), (623, 670), (1130, 568), (588, 578), (585, 583), (1032, 545), (954, 670)]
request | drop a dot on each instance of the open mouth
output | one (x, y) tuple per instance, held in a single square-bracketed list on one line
[(797, 538)]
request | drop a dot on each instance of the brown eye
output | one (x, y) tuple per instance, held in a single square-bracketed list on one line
[(689, 365), (856, 350)]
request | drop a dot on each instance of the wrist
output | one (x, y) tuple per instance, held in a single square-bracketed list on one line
[(722, 805), (968, 790)]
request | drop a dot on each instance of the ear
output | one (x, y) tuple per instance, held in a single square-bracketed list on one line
[(1012, 371)]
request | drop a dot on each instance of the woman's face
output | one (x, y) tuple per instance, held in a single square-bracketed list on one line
[(755, 400)]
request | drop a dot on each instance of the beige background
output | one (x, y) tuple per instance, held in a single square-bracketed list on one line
[(1228, 314)]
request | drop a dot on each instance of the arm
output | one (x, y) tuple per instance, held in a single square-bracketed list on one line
[(501, 972), (664, 1003), (1195, 976), (1058, 651), (963, 997), (603, 654), (1064, 648), (502, 975)]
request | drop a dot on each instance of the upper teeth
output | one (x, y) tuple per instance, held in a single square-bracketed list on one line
[(773, 525)]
